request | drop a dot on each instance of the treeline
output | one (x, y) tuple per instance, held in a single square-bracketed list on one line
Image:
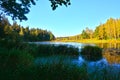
[(18, 32), (108, 30)]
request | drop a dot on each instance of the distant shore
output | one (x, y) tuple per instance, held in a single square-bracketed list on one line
[(90, 41)]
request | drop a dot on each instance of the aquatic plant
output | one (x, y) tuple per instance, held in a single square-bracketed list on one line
[(57, 50), (91, 53)]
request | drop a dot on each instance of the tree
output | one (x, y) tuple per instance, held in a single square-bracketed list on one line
[(17, 33), (52, 37), (89, 32), (7, 30), (21, 33), (3, 23), (84, 35), (17, 9), (96, 32), (16, 27), (55, 3)]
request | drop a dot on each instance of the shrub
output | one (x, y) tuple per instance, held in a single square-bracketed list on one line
[(91, 53)]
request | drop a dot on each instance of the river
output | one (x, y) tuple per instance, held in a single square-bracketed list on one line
[(107, 60)]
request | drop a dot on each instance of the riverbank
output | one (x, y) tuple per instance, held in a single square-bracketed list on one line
[(90, 41)]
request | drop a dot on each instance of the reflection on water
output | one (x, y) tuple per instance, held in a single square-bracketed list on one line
[(91, 66), (109, 45), (98, 65), (110, 57), (111, 52), (109, 62), (102, 45)]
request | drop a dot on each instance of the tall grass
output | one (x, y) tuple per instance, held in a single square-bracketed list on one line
[(57, 50), (12, 62), (91, 53), (55, 71)]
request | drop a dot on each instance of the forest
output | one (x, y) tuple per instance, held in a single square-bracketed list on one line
[(17, 32), (106, 31)]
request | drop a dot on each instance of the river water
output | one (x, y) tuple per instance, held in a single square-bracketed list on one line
[(90, 64)]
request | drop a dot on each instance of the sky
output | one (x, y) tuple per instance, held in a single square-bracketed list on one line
[(71, 20)]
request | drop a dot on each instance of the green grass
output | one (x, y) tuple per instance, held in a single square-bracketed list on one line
[(12, 62), (57, 50), (91, 53), (55, 71)]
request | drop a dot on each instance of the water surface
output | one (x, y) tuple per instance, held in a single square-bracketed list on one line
[(104, 62)]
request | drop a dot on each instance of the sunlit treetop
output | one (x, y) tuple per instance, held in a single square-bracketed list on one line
[(18, 9)]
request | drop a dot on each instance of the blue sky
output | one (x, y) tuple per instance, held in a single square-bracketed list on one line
[(71, 20)]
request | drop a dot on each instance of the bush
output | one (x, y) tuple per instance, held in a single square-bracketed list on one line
[(91, 53)]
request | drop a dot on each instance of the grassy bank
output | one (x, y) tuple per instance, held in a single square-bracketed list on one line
[(90, 41)]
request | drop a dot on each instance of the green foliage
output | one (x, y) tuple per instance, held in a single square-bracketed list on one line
[(87, 34), (84, 35), (10, 44), (31, 49), (91, 53), (54, 71), (12, 62), (57, 50), (16, 32), (96, 32), (16, 9), (48, 50), (65, 50), (55, 3), (14, 58), (19, 9), (40, 50)]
